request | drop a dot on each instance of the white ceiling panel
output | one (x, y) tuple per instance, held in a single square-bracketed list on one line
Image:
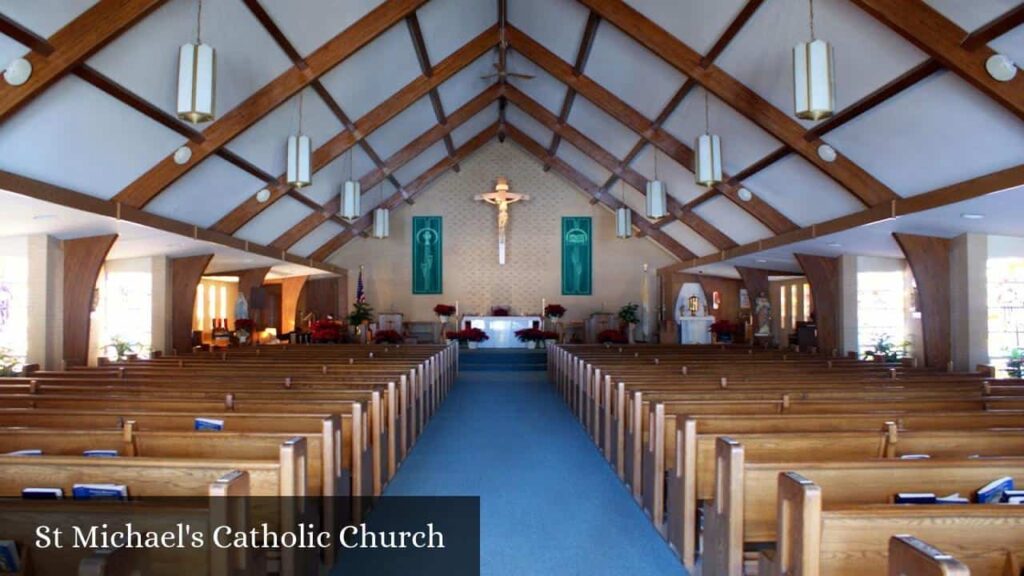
[(556, 24), (265, 143), (679, 181), (315, 239), (698, 23), (525, 123), (44, 17), (205, 194), (743, 142), (403, 128), (9, 50), (632, 72), (145, 58), (972, 14), (687, 237), (940, 132), (602, 128), (735, 222), (475, 125), (448, 24), (1011, 44), (420, 164), (543, 88), (273, 221), (803, 193), (375, 73), (309, 24), (467, 83), (581, 162), (867, 54), (65, 137), (327, 182)]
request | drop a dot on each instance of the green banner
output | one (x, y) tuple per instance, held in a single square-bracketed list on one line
[(576, 256), (427, 265)]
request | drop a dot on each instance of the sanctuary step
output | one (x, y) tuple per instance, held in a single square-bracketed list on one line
[(517, 359)]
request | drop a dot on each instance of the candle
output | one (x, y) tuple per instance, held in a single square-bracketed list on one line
[(543, 305), (456, 308)]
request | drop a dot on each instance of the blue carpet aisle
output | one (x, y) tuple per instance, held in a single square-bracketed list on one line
[(550, 504)]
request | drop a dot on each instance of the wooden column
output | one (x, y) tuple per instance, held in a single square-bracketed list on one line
[(83, 258), (929, 261), (249, 279), (185, 276), (755, 281), (823, 275), (291, 291)]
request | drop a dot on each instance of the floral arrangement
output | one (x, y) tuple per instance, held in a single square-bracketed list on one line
[(122, 348), (884, 350), (244, 325), (468, 335), (499, 311), (361, 312), (630, 313), (8, 362), (388, 337), (554, 311), (444, 310), (535, 335), (324, 331), (612, 337)]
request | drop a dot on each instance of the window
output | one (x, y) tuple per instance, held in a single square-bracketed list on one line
[(807, 302), (212, 291), (14, 305), (1005, 277), (126, 308), (880, 309), (200, 309), (793, 303), (782, 308)]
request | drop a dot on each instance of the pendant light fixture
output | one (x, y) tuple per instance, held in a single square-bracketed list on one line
[(656, 199), (381, 218), (814, 88), (299, 152), (197, 80), (351, 194), (623, 217), (707, 153)]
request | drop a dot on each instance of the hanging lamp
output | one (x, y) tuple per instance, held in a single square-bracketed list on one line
[(381, 218), (814, 89), (197, 80), (707, 153), (351, 194), (623, 217), (299, 153), (656, 197)]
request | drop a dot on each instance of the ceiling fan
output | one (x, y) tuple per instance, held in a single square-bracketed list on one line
[(501, 72)]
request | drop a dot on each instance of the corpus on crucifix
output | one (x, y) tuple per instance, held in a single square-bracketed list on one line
[(501, 198)]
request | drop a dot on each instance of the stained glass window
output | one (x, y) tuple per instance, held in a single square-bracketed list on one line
[(1005, 278), (880, 309)]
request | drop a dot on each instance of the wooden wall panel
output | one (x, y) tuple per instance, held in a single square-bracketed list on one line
[(823, 275), (249, 279), (729, 293), (185, 275), (291, 301), (755, 281), (929, 261), (83, 258), (324, 296)]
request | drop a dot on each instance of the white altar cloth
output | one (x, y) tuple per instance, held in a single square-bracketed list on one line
[(695, 329), (502, 329)]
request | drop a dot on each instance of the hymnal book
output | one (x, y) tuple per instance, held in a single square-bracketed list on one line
[(100, 453), (993, 491), (42, 493), (915, 457), (100, 491), (10, 562), (954, 498), (212, 424), (1016, 500), (29, 452), (915, 498), (1008, 494)]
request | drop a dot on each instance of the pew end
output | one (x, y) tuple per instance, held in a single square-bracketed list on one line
[(909, 556)]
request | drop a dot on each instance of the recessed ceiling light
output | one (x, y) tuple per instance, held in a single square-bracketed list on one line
[(761, 261), (834, 245), (744, 194), (971, 216), (182, 155), (44, 217), (1001, 67), (18, 72), (827, 153), (263, 195)]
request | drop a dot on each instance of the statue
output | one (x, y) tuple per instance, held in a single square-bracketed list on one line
[(763, 315), (241, 307), (501, 198)]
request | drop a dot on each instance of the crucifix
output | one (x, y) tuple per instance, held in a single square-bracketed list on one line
[(501, 198)]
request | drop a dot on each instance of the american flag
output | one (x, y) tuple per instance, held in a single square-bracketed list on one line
[(360, 293)]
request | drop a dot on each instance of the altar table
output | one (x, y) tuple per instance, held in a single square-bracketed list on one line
[(695, 329), (502, 329)]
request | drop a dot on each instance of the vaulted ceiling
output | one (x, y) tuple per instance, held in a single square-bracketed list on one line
[(393, 96)]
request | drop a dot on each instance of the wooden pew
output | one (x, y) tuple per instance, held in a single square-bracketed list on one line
[(909, 556)]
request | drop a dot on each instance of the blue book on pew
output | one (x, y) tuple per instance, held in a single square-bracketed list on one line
[(10, 562), (42, 493), (1011, 494), (100, 453), (993, 491), (954, 498), (99, 491), (29, 452), (211, 424), (915, 498)]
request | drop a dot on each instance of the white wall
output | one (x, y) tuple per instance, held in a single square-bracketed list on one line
[(968, 258)]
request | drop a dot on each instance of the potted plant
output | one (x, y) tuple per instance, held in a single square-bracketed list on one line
[(471, 336), (554, 312), (388, 337), (612, 337), (122, 348), (243, 329), (325, 331), (1015, 365), (630, 316), (723, 330), (531, 336), (884, 350), (550, 337), (444, 311), (8, 362), (360, 318)]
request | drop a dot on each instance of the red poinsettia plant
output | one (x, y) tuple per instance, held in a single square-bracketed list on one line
[(444, 310), (723, 327), (468, 335), (325, 331), (499, 311), (244, 325), (531, 335), (612, 337), (388, 337), (554, 310)]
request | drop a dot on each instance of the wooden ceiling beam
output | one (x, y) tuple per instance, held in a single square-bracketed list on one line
[(582, 55), (621, 111), (577, 179), (69, 46), (420, 46), (859, 182), (397, 160), (414, 188), (266, 99), (933, 33), (371, 121)]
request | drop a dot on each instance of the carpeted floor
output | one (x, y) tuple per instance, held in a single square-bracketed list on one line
[(550, 504)]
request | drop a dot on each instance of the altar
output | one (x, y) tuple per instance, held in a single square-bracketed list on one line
[(695, 329), (502, 329)]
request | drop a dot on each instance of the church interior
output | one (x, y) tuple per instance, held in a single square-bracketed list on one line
[(602, 287)]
